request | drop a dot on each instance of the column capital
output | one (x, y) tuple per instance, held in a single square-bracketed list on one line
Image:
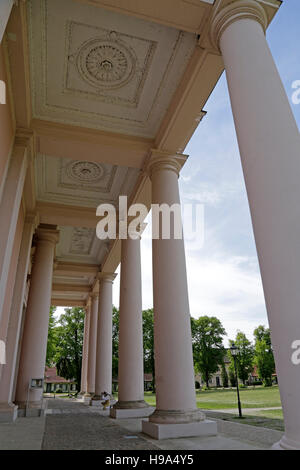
[(48, 233), (32, 218), (94, 295), (106, 277), (164, 160), (241, 9)]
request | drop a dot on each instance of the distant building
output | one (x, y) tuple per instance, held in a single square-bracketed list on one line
[(54, 382)]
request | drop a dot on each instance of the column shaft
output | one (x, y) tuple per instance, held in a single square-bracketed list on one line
[(16, 314), (175, 385), (9, 211), (85, 352), (269, 144), (104, 336), (92, 342), (34, 342), (131, 360)]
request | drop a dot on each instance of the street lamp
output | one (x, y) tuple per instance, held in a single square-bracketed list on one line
[(234, 352)]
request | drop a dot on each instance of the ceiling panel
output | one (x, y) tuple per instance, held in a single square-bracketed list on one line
[(98, 68)]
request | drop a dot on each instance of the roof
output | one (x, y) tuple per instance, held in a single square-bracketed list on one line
[(52, 377)]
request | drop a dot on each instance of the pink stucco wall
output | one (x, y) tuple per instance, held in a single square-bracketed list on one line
[(12, 275), (6, 123)]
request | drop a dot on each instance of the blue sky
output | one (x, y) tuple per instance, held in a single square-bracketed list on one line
[(223, 275)]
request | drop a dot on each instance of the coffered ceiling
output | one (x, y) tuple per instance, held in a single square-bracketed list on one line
[(82, 183), (98, 68), (97, 84)]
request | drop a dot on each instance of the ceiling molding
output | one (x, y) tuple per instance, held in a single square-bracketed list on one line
[(78, 143), (67, 302), (187, 15)]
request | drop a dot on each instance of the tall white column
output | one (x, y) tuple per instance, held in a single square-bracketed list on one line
[(104, 337), (85, 352), (269, 145), (9, 211), (174, 370), (92, 347), (131, 359), (35, 334), (7, 408)]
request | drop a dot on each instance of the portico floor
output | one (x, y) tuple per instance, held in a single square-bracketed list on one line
[(72, 425)]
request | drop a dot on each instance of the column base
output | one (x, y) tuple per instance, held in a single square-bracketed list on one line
[(87, 398), (286, 444), (98, 401), (176, 416), (119, 413), (8, 412), (171, 431), (34, 409)]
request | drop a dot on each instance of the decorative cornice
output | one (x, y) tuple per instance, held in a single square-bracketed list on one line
[(24, 137), (162, 160), (236, 11), (106, 277)]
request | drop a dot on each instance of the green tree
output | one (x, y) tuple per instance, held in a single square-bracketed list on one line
[(263, 355), (224, 375), (69, 344), (148, 344), (244, 360), (232, 377), (115, 342), (52, 340), (208, 349)]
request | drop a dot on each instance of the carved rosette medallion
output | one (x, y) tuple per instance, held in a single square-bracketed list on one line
[(85, 172), (107, 64)]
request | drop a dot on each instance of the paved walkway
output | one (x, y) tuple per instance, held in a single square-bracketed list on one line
[(70, 424), (246, 410)]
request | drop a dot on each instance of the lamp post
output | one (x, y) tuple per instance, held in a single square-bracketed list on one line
[(234, 352)]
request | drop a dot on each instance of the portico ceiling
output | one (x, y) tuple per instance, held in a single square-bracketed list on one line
[(98, 68), (97, 85)]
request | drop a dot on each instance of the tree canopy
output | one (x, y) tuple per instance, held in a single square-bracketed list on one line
[(263, 355), (65, 340), (208, 349), (244, 360)]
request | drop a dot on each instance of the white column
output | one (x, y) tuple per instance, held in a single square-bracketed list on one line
[(85, 352), (174, 370), (91, 358), (7, 408), (34, 342), (9, 211), (131, 359), (104, 337), (269, 145), (5, 9)]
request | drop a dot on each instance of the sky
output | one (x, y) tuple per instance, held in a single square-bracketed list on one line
[(223, 273)]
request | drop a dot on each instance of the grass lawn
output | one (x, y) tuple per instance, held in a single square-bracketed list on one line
[(219, 399), (258, 397)]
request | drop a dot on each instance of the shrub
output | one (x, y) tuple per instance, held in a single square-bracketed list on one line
[(197, 385)]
